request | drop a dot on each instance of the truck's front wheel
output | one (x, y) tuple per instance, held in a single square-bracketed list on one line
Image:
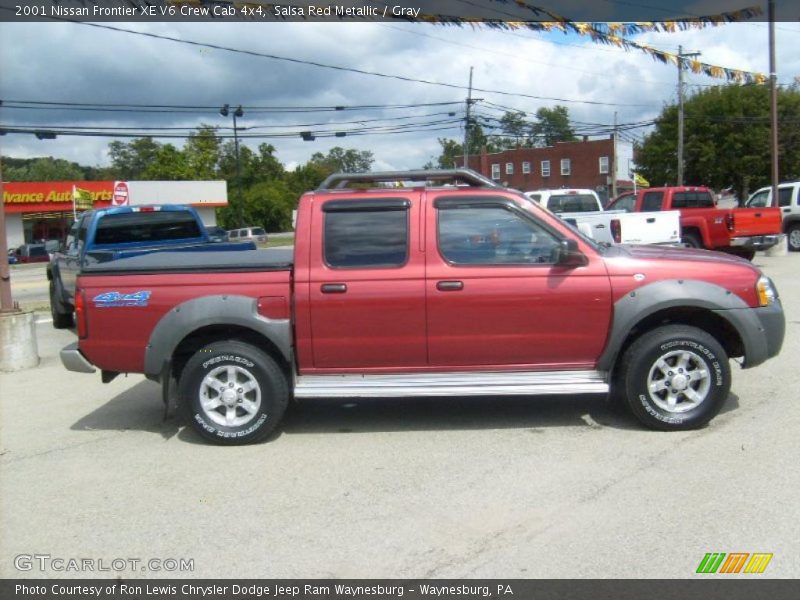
[(675, 377), (233, 393)]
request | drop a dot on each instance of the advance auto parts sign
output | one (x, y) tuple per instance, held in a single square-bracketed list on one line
[(25, 196)]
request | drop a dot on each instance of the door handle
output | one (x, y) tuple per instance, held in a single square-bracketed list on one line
[(600, 226), (787, 210), (449, 286), (651, 220), (333, 288)]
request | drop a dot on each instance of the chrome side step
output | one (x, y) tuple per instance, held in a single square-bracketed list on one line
[(526, 383)]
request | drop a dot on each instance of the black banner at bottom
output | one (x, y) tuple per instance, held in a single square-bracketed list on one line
[(711, 588)]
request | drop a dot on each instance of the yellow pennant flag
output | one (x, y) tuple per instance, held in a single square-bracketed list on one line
[(82, 199)]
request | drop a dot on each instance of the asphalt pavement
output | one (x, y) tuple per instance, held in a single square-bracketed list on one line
[(556, 487)]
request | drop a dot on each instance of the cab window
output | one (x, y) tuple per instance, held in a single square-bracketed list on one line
[(492, 235)]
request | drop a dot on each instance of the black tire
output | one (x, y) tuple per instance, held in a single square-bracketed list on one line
[(687, 353), (255, 412), (691, 240), (61, 319), (793, 235)]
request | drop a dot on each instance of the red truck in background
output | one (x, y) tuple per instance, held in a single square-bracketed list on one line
[(429, 289), (738, 231)]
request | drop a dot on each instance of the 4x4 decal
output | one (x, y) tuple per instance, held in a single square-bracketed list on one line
[(113, 299)]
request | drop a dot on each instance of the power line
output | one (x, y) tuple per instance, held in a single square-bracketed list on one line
[(168, 108), (333, 67)]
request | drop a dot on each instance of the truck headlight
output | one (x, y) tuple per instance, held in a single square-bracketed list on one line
[(767, 294)]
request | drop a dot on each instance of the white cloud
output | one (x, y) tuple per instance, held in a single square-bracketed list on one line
[(79, 63)]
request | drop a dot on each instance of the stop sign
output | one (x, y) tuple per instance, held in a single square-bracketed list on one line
[(120, 197)]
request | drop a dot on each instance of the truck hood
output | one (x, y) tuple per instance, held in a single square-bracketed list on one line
[(667, 253), (630, 267)]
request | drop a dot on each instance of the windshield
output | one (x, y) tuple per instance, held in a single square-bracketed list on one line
[(532, 207), (258, 231)]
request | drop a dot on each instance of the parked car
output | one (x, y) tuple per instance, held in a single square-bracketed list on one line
[(789, 204), (583, 209), (428, 290), (738, 231), (216, 234), (253, 234), (108, 234), (32, 253)]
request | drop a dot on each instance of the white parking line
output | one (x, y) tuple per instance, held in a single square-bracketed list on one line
[(45, 320)]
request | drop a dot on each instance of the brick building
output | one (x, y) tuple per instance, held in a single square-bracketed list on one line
[(585, 164)]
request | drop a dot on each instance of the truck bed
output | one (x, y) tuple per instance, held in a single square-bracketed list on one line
[(182, 261)]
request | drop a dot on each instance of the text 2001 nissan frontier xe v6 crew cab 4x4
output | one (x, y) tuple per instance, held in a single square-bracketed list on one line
[(426, 290)]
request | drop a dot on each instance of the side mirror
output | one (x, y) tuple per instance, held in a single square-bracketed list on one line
[(567, 254)]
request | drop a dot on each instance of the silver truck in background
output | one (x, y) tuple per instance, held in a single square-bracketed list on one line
[(583, 209)]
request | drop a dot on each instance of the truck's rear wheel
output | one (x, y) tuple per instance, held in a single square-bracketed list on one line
[(675, 377), (793, 235), (691, 240), (61, 320), (233, 393)]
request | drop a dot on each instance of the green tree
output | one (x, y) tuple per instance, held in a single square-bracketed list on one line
[(130, 160), (552, 125), (347, 161), (270, 204), (727, 139), (42, 169), (202, 153), (169, 164)]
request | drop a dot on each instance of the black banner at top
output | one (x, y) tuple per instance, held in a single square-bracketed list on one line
[(509, 11)]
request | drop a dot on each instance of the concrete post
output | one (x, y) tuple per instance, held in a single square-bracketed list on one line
[(18, 348)]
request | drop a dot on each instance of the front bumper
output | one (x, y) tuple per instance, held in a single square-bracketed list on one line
[(756, 242), (73, 360), (761, 330)]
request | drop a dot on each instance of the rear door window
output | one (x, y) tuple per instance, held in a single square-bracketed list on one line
[(652, 201), (366, 234)]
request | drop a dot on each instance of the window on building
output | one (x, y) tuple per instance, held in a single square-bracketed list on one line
[(603, 165), (509, 168), (566, 166), (545, 168), (495, 171), (369, 236), (526, 167)]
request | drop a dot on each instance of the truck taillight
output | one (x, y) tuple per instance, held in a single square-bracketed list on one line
[(80, 313), (616, 231), (729, 221)]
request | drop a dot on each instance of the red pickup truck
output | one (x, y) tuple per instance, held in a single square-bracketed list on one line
[(426, 290), (739, 231)]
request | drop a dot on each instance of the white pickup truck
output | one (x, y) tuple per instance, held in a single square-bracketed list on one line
[(583, 209)]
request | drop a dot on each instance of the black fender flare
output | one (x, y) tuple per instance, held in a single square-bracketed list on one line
[(193, 315), (637, 305)]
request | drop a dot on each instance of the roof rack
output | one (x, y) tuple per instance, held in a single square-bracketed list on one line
[(466, 176)]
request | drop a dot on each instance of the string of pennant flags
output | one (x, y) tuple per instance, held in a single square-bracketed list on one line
[(613, 34)]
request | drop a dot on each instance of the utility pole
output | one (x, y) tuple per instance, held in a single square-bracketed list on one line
[(681, 56), (466, 123), (773, 102), (6, 303), (614, 161)]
